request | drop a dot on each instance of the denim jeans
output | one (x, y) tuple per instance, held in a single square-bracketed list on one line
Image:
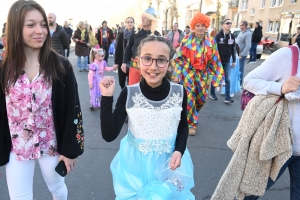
[(242, 67), (227, 70), (294, 168), (253, 51), (85, 61)]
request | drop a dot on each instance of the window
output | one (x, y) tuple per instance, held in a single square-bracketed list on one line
[(263, 3), (252, 11), (244, 4), (293, 1), (273, 26), (275, 3)]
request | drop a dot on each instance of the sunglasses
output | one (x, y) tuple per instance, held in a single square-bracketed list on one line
[(228, 23)]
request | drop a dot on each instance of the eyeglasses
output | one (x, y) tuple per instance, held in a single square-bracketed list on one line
[(228, 23), (160, 62)]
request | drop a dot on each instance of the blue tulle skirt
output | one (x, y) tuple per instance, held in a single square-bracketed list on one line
[(234, 78), (145, 176)]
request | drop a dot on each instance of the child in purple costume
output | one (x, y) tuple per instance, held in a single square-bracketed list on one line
[(96, 74)]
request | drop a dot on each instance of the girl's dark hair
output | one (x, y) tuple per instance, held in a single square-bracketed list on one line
[(130, 18), (152, 38), (51, 64)]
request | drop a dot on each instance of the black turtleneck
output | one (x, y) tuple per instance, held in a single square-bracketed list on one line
[(112, 121)]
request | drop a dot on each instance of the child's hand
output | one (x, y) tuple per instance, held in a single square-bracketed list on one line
[(107, 86), (91, 86), (115, 67), (175, 160)]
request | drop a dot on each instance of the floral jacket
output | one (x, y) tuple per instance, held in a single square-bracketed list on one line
[(67, 117)]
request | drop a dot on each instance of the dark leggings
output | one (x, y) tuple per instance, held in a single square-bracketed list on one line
[(122, 77)]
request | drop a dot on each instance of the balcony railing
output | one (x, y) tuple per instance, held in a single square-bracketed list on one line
[(233, 4)]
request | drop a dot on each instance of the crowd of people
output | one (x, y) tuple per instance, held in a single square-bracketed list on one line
[(168, 77)]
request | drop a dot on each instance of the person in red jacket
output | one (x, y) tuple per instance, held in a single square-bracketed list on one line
[(105, 37)]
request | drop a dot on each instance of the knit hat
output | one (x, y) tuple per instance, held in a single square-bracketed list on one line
[(150, 13)]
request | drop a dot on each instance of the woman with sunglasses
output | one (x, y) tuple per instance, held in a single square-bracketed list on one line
[(122, 42)]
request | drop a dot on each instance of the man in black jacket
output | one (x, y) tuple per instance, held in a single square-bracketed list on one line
[(256, 38), (130, 55), (226, 45), (105, 37), (69, 32), (60, 40)]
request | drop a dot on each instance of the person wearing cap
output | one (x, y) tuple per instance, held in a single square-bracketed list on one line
[(130, 55), (197, 62), (105, 37)]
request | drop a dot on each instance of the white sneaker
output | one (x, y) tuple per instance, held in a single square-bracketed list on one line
[(231, 95), (252, 62)]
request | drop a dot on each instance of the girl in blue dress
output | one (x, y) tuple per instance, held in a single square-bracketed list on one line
[(153, 162)]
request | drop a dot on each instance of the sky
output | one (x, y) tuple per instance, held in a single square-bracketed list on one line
[(94, 11)]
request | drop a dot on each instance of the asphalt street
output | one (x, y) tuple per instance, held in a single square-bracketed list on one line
[(92, 178)]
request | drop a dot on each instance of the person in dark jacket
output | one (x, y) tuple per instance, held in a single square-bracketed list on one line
[(122, 42), (105, 37), (69, 32), (256, 38), (130, 55), (81, 37), (60, 40), (40, 115), (226, 45)]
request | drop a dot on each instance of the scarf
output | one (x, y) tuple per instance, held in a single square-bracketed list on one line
[(82, 33), (127, 35)]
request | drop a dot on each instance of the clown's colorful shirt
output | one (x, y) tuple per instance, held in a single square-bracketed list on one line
[(196, 63)]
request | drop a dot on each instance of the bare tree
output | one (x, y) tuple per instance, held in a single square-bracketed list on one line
[(174, 11)]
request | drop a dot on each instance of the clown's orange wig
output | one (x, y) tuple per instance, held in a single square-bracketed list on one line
[(200, 18)]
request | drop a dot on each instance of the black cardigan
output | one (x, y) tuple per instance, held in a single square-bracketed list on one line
[(66, 112)]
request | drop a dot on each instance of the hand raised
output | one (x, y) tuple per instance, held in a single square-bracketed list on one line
[(107, 86)]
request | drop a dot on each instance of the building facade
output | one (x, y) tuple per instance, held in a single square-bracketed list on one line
[(278, 18)]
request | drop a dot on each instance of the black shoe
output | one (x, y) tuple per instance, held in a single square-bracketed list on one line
[(213, 97), (92, 108), (80, 70), (229, 100)]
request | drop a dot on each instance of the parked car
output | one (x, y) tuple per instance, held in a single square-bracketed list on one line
[(259, 49)]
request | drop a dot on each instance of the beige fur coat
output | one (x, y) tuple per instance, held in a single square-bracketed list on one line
[(262, 143)]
